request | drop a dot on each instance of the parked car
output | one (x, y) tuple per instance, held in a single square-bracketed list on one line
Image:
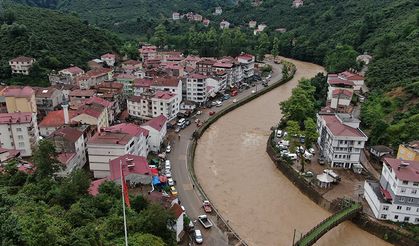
[(219, 104), (205, 221), (183, 126), (308, 174), (278, 133), (311, 151), (181, 122), (198, 112), (173, 191), (198, 237), (253, 91), (167, 165), (168, 149), (211, 113), (168, 173), (235, 100), (207, 206), (170, 182), (187, 122), (226, 97), (234, 93), (308, 156), (177, 129), (214, 103), (321, 161), (292, 156)]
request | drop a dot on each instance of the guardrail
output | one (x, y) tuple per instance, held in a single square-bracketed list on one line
[(198, 133)]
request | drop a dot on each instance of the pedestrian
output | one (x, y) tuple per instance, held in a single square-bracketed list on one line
[(193, 186), (178, 136)]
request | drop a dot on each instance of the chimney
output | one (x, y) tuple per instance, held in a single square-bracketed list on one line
[(66, 117)]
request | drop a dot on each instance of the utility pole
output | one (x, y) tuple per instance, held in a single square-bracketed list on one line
[(293, 238)]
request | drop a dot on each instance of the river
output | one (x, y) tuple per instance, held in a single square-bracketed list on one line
[(259, 202)]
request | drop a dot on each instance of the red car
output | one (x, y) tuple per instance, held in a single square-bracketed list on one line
[(211, 113)]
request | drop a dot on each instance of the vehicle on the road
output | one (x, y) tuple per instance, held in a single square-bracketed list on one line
[(265, 83), (278, 133), (170, 182), (321, 161), (211, 113), (226, 97), (173, 191), (187, 122), (168, 173), (183, 126), (181, 122), (177, 129), (205, 221), (332, 174), (234, 93), (168, 149), (253, 91), (308, 156), (198, 237), (167, 165), (198, 112), (207, 206), (219, 104), (235, 100), (214, 103), (311, 151), (308, 174)]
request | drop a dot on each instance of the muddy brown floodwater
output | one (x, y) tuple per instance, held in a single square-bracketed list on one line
[(261, 204)]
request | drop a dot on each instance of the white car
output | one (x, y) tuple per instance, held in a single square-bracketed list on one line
[(181, 122), (311, 151), (170, 182), (168, 149), (253, 91), (278, 133), (168, 173), (198, 237), (167, 165), (219, 104), (199, 112)]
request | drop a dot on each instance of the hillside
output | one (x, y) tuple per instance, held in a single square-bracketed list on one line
[(56, 40)]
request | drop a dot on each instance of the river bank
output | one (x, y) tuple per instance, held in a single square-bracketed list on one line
[(257, 200)]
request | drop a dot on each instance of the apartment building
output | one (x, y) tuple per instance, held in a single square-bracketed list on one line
[(340, 139), (196, 88), (157, 128), (396, 196), (21, 65), (152, 104), (47, 99), (65, 76), (247, 63)]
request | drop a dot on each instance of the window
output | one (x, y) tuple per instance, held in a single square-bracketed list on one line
[(399, 207), (406, 219), (410, 200), (18, 129), (21, 144), (407, 208), (403, 190), (385, 208), (383, 216), (417, 220), (401, 199), (20, 137), (359, 142), (415, 183), (405, 182), (414, 191), (396, 217)]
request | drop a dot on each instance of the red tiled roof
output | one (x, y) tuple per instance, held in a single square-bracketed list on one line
[(128, 128), (69, 133), (146, 82), (22, 59), (108, 56), (64, 158), (82, 93), (56, 118), (131, 164), (334, 80), (157, 122), (223, 65), (246, 56), (124, 76), (351, 76), (44, 92), (197, 76), (339, 129), (342, 91), (206, 61), (15, 118), (94, 186), (98, 72), (404, 170), (131, 62), (110, 85), (98, 100), (94, 110), (177, 210), (163, 95), (12, 91), (135, 98), (111, 138), (73, 70), (166, 81), (12, 152)]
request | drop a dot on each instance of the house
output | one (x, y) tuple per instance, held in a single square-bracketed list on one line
[(93, 77), (262, 27), (95, 64), (65, 90), (197, 17), (175, 16), (409, 151), (21, 65), (93, 114), (135, 169), (356, 79), (19, 131), (70, 147), (340, 92), (378, 151), (126, 80), (47, 99), (247, 62), (55, 120), (206, 22), (224, 24), (179, 214), (157, 129), (365, 58), (205, 65), (8, 154), (148, 52), (113, 92), (108, 59), (110, 106), (170, 84), (218, 10), (395, 197), (20, 99), (196, 85), (281, 30), (297, 3), (152, 104), (340, 139), (142, 85), (131, 66), (232, 68), (252, 24), (79, 96), (65, 76), (114, 142)]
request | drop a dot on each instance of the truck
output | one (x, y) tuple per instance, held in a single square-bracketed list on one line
[(332, 174), (207, 206), (205, 221)]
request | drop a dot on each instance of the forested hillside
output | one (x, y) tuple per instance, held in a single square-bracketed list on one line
[(55, 39)]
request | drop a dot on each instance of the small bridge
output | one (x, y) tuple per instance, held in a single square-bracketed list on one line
[(317, 232)]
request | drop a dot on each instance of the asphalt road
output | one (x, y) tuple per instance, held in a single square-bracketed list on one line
[(190, 198)]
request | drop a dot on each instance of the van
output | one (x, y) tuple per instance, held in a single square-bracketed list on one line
[(292, 156), (307, 155), (278, 133), (181, 122), (284, 142)]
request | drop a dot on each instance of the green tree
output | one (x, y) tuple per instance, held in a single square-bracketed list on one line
[(139, 203), (263, 45), (299, 106), (45, 160), (160, 35), (275, 47), (144, 239), (310, 132), (294, 132), (341, 58)]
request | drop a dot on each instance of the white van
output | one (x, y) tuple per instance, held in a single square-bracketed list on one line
[(292, 156), (308, 155), (181, 122)]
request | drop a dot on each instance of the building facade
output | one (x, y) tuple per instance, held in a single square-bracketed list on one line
[(196, 88), (21, 65)]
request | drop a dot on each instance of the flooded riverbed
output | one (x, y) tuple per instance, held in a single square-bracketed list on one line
[(240, 179)]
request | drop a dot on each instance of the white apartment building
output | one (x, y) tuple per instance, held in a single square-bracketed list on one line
[(247, 63), (396, 196), (196, 88), (18, 131), (157, 128), (168, 84), (21, 65), (152, 104), (113, 142), (70, 148), (340, 139)]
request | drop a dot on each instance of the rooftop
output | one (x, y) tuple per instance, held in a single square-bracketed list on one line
[(56, 118), (404, 170), (72, 70), (333, 79), (65, 157), (131, 164), (22, 59), (145, 82), (15, 118), (165, 95), (197, 76), (68, 133), (12, 91), (351, 76), (108, 56), (166, 81), (94, 186), (98, 100), (82, 93), (337, 127), (337, 92), (94, 110), (110, 138), (128, 128), (157, 122), (44, 92)]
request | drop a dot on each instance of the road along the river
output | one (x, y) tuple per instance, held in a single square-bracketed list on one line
[(240, 179)]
